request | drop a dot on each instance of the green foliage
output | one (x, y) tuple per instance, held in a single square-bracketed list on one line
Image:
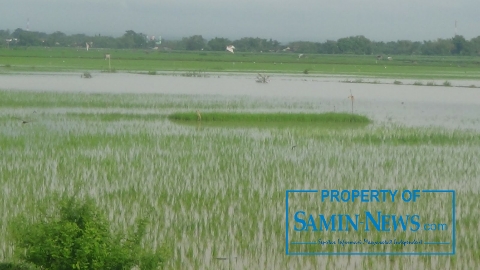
[(218, 44), (355, 45), (17, 266), (397, 82), (194, 43), (271, 117), (79, 237), (358, 45), (447, 83)]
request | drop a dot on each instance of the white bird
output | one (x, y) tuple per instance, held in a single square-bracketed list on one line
[(230, 48)]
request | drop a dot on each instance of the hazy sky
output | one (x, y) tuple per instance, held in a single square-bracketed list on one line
[(282, 20)]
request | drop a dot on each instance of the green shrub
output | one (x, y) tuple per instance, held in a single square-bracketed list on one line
[(14, 266), (79, 237)]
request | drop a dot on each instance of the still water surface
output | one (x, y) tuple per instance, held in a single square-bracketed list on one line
[(452, 107)]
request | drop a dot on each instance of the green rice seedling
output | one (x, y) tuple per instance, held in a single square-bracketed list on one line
[(431, 84), (447, 83), (220, 191), (397, 82), (261, 118), (419, 83)]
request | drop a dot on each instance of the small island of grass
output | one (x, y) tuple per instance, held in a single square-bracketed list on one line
[(260, 118)]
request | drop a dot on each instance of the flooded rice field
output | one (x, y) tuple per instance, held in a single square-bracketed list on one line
[(215, 196), (457, 106)]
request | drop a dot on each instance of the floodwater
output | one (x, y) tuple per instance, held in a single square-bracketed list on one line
[(452, 107)]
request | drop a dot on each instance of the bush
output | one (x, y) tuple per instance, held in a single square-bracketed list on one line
[(79, 237), (13, 266)]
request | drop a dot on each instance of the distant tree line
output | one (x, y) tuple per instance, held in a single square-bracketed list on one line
[(457, 45)]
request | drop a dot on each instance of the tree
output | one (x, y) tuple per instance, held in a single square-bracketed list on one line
[(219, 44), (460, 45), (194, 43), (132, 40), (329, 47), (438, 47), (475, 45), (356, 45), (57, 37), (27, 38), (304, 47)]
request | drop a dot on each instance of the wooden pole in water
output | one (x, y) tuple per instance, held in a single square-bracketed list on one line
[(199, 116), (351, 98)]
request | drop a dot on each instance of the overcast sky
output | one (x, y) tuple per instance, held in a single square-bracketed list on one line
[(282, 20)]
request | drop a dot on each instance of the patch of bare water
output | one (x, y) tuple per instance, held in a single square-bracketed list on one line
[(454, 107)]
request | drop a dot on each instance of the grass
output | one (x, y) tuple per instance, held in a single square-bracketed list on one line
[(271, 117), (73, 59), (220, 191)]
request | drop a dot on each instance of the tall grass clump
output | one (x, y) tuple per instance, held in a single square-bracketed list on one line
[(447, 83), (86, 75), (196, 74), (78, 236), (270, 117), (418, 83)]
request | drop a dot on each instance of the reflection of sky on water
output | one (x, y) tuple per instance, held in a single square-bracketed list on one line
[(385, 102)]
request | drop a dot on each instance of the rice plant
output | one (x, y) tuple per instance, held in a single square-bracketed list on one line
[(218, 193)]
